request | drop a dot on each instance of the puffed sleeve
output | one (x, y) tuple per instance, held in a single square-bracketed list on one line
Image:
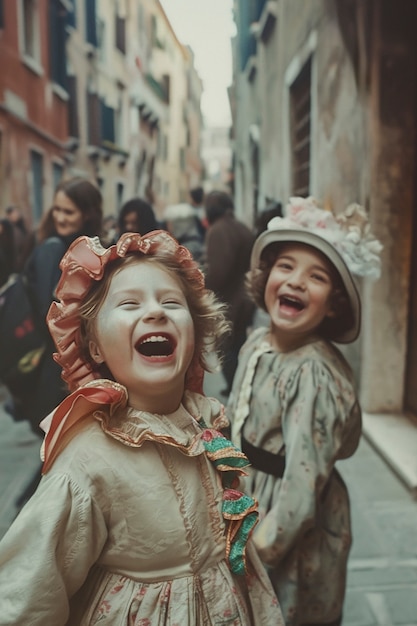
[(46, 554), (321, 422)]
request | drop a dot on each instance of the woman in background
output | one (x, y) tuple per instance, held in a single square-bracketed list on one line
[(76, 210)]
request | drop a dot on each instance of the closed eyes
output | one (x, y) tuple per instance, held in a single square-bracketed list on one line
[(173, 304), (129, 303), (166, 303)]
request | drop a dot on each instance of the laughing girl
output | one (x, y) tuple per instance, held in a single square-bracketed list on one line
[(138, 519), (293, 406)]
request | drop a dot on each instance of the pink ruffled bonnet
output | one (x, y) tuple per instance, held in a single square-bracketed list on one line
[(85, 262)]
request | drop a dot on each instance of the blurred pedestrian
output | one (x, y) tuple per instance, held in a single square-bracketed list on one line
[(76, 210), (228, 248), (294, 407), (24, 238), (182, 222), (137, 216), (7, 251), (197, 202)]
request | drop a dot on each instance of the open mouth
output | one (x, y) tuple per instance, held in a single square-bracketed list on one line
[(155, 345), (292, 303)]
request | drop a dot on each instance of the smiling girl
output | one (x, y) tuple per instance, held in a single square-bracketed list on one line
[(293, 406), (137, 519)]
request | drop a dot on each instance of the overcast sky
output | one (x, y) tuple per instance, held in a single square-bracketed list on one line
[(207, 27)]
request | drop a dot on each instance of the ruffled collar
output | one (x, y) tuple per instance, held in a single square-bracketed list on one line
[(181, 429), (107, 401)]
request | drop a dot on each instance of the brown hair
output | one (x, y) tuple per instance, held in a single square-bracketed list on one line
[(331, 327), (217, 204), (208, 313), (87, 198)]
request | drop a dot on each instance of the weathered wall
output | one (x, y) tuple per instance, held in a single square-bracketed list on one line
[(363, 144), (392, 203)]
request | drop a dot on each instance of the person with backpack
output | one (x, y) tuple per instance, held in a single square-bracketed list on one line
[(76, 210)]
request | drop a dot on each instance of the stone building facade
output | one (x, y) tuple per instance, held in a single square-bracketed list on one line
[(33, 107), (324, 103), (97, 88)]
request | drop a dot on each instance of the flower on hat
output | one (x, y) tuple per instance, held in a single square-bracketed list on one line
[(349, 232)]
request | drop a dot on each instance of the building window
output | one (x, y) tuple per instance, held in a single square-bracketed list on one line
[(101, 39), (259, 7), (72, 14), (118, 121), (73, 128), (246, 38), (107, 118), (29, 29), (93, 119), (166, 83), (1, 14), (90, 20), (57, 40), (300, 103), (36, 161), (120, 26), (57, 172)]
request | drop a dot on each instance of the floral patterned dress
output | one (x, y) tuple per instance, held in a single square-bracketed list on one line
[(301, 407), (133, 526)]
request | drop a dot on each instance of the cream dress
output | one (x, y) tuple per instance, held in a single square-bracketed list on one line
[(301, 405), (127, 529)]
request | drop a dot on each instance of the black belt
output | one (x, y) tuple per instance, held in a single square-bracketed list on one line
[(263, 460)]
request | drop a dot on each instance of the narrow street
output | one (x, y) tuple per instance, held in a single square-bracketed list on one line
[(382, 579)]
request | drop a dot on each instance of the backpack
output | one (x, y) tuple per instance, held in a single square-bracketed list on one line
[(22, 342)]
